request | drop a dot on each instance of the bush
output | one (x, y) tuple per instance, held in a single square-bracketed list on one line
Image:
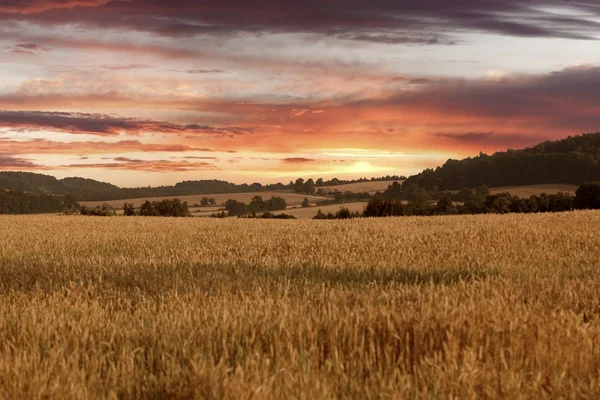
[(104, 210), (267, 215)]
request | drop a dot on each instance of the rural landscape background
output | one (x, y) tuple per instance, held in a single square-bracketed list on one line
[(315, 199)]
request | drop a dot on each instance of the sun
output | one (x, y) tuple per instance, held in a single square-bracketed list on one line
[(362, 167)]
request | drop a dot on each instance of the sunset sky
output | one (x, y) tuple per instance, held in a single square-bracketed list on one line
[(152, 92)]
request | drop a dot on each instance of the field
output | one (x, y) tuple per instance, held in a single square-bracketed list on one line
[(295, 200), (360, 187), (291, 198), (482, 306), (310, 212), (529, 190)]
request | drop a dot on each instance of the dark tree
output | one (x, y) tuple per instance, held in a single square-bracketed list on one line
[(276, 203), (587, 196), (148, 209), (499, 203), (299, 185), (257, 204), (445, 205), (309, 186), (235, 207), (128, 209)]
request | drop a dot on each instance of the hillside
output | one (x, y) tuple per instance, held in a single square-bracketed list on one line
[(91, 190), (574, 160)]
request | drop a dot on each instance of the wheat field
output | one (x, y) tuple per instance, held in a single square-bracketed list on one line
[(482, 306)]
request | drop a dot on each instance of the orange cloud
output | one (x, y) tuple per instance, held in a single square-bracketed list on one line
[(449, 115), (45, 146), (36, 6)]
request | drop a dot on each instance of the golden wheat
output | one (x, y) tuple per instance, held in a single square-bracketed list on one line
[(437, 307)]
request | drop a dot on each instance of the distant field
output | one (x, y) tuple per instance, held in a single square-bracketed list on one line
[(370, 187), (522, 191), (462, 307), (529, 190), (310, 212), (291, 198)]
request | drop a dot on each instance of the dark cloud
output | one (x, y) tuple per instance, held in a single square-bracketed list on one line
[(45, 146), (20, 51), (384, 21), (28, 48), (11, 163), (298, 160), (127, 67), (163, 166), (388, 38), (567, 99), (31, 47), (205, 71), (200, 158), (465, 137), (105, 125)]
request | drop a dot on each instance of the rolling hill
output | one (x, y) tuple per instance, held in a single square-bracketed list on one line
[(573, 160)]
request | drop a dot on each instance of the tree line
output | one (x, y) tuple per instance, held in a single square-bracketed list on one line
[(478, 201), (163, 208), (18, 202), (256, 205)]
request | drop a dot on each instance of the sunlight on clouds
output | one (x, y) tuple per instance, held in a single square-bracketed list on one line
[(365, 153)]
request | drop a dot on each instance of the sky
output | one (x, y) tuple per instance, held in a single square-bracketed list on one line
[(153, 92)]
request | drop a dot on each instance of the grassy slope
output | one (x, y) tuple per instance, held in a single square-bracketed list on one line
[(440, 307)]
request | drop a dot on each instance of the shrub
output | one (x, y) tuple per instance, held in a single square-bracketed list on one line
[(104, 210)]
